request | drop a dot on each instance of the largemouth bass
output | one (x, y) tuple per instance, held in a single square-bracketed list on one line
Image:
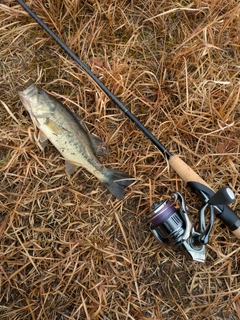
[(70, 137)]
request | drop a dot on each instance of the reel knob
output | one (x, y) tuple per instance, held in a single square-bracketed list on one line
[(224, 195)]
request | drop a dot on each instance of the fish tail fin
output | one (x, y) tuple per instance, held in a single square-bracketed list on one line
[(116, 182)]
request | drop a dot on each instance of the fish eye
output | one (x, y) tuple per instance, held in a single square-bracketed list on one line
[(40, 91)]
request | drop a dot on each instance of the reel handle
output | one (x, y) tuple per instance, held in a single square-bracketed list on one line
[(224, 195), (187, 174)]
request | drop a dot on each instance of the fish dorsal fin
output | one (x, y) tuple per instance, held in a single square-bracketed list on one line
[(99, 146), (80, 120)]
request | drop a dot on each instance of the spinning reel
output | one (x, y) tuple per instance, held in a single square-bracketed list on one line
[(171, 225)]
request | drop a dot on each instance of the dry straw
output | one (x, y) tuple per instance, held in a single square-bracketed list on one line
[(70, 250)]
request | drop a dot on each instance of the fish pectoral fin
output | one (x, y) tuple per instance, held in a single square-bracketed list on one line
[(70, 167), (42, 140), (100, 146), (53, 126)]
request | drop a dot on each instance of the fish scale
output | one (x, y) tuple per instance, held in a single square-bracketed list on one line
[(79, 148)]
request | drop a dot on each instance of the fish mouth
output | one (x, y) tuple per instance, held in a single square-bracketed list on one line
[(30, 89)]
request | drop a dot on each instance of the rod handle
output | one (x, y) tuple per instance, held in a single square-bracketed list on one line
[(236, 233), (188, 175), (185, 172)]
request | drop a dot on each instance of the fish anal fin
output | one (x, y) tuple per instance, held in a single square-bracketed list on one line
[(100, 147), (70, 167)]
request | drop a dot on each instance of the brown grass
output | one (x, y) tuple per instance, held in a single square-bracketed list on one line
[(70, 250)]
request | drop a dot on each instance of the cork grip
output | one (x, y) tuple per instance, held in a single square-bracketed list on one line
[(185, 172), (236, 233)]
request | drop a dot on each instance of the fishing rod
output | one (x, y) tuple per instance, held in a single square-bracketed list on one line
[(170, 222)]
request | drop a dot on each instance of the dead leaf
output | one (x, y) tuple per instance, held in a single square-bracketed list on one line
[(96, 62)]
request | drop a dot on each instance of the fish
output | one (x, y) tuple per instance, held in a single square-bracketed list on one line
[(69, 135)]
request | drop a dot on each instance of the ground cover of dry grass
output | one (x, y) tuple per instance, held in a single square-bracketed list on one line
[(70, 250)]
